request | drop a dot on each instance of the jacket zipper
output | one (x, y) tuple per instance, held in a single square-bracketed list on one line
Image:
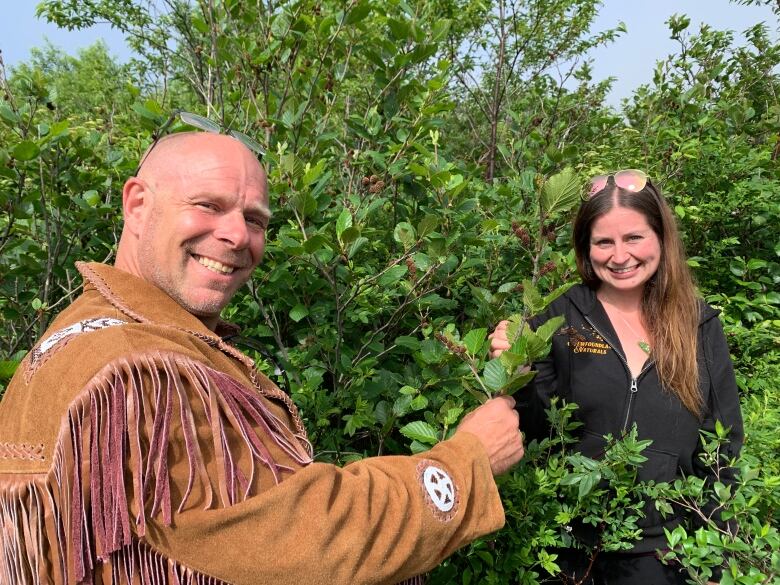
[(633, 388)]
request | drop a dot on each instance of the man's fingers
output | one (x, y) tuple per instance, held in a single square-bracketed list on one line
[(495, 424)]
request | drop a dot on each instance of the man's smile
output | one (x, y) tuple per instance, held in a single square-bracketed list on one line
[(214, 265)]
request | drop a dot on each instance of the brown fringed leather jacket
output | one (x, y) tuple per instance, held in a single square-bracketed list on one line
[(137, 447)]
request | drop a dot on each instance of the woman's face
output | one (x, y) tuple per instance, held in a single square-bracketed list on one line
[(624, 250)]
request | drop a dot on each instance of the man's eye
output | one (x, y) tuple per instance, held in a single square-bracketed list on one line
[(207, 205), (258, 223)]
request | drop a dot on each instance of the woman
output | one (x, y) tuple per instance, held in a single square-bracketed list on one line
[(646, 351)]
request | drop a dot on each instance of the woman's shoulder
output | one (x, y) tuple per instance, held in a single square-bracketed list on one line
[(579, 295), (707, 313)]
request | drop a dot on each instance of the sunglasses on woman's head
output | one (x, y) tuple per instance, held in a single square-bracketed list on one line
[(630, 180)]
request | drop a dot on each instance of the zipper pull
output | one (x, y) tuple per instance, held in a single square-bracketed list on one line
[(633, 386)]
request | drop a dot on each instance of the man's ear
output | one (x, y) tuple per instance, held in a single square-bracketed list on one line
[(136, 204)]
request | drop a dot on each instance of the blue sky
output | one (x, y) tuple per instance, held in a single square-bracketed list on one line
[(630, 59)]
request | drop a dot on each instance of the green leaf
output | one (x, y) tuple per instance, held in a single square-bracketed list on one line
[(454, 182), (420, 431), (556, 293), (146, 113), (512, 360), (561, 192), (7, 369), (200, 24), (440, 28), (452, 415), (418, 447), (474, 340), (419, 402), (404, 234), (343, 222), (401, 405), (517, 382), (355, 247), (399, 29), (393, 275), (407, 342), (535, 347), (358, 13), (350, 235), (494, 375), (588, 482), (548, 329), (432, 351), (427, 224), (25, 150), (313, 173), (298, 312), (531, 297), (315, 243), (9, 115), (92, 197)]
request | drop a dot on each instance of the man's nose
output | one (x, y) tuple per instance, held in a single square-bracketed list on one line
[(233, 230)]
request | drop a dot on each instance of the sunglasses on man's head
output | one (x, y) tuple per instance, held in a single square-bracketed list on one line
[(630, 180), (201, 123)]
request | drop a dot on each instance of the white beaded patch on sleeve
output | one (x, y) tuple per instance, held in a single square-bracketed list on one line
[(439, 490)]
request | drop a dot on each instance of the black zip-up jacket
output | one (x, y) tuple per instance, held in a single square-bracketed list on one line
[(590, 369)]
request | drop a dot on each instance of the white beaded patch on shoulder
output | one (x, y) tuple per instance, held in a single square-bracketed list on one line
[(59, 338), (75, 329)]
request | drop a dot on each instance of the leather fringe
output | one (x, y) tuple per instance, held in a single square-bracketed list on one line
[(418, 580), (59, 526)]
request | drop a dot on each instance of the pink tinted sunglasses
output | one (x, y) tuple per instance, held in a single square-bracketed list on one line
[(630, 179)]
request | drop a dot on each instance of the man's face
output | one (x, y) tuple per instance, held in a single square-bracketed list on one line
[(204, 232)]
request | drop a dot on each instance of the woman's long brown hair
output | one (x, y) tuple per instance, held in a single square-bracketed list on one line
[(670, 307)]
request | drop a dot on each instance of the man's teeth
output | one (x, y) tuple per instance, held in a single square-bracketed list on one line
[(214, 265)]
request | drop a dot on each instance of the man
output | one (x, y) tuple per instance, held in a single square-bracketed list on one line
[(137, 446)]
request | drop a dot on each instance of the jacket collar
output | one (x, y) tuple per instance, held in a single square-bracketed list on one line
[(584, 298), (143, 302)]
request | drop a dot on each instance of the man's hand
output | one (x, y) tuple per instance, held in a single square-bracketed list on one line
[(498, 340), (496, 425)]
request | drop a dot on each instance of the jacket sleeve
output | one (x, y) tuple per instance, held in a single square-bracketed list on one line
[(207, 472), (722, 404), (370, 522)]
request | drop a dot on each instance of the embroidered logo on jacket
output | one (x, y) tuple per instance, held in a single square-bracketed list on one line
[(596, 347), (580, 344)]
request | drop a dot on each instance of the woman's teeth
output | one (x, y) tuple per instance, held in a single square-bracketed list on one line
[(622, 270)]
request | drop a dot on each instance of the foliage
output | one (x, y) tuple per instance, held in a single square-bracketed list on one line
[(733, 525), (60, 179), (423, 161), (553, 490)]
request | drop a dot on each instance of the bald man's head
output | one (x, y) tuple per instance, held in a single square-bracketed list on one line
[(195, 220)]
